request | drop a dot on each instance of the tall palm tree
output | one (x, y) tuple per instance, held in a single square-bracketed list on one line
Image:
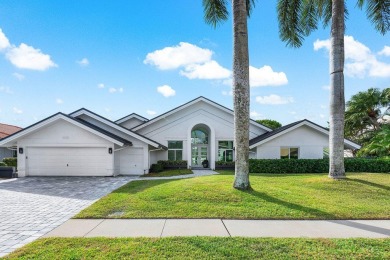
[(216, 11), (297, 19)]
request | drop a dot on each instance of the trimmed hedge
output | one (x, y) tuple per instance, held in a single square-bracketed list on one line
[(12, 161), (156, 167), (173, 164), (3, 164), (316, 165)]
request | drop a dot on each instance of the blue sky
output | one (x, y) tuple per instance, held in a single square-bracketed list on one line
[(119, 57)]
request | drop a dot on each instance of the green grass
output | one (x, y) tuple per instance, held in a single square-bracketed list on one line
[(204, 248), (274, 196), (169, 173)]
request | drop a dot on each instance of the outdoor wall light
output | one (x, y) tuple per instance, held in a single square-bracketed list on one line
[(20, 150), (110, 150)]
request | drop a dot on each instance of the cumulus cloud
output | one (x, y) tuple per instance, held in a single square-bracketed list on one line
[(274, 100), (255, 115), (100, 85), (227, 93), (17, 110), (208, 70), (115, 90), (59, 101), (18, 76), (27, 57), (265, 76), (359, 60), (326, 87), (4, 42), (385, 51), (6, 90), (151, 112), (177, 56), (83, 62), (166, 91)]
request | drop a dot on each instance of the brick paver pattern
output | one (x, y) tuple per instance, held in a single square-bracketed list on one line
[(31, 207)]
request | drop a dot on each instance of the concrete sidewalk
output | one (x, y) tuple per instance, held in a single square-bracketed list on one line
[(222, 228)]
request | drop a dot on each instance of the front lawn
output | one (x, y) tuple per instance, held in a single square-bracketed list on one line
[(169, 173), (204, 248), (274, 196)]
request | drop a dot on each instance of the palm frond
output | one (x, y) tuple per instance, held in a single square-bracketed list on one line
[(250, 5), (215, 11), (378, 12)]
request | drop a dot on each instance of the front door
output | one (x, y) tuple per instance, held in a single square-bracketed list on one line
[(199, 154)]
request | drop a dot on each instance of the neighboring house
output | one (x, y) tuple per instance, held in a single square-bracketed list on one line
[(6, 130), (86, 144)]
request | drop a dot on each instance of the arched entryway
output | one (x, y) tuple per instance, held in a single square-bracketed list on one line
[(200, 145)]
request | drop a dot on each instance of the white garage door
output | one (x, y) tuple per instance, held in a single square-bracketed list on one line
[(131, 161), (68, 161)]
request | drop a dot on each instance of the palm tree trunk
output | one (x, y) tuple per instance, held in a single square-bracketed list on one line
[(337, 100), (241, 94)]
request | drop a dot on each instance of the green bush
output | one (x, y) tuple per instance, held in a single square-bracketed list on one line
[(156, 167), (2, 164), (316, 165), (12, 161), (173, 164)]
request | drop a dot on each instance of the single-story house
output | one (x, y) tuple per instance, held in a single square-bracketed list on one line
[(84, 143), (6, 130)]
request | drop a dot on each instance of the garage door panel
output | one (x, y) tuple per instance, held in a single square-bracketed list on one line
[(67, 161), (131, 161)]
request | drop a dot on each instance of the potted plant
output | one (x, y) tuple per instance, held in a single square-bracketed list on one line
[(205, 164)]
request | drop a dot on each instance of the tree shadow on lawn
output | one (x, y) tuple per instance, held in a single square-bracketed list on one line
[(376, 185), (311, 213), (140, 185)]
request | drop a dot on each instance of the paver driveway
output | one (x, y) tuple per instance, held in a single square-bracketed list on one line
[(31, 207)]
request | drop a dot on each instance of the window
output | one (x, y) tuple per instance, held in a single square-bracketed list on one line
[(225, 151), (199, 136), (289, 153), (175, 150)]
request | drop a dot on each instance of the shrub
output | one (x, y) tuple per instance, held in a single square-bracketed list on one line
[(316, 165), (3, 164), (173, 164), (156, 167), (12, 161), (224, 165)]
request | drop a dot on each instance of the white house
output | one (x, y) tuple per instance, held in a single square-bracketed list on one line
[(86, 144)]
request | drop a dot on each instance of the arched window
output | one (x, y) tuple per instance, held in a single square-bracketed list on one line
[(199, 136)]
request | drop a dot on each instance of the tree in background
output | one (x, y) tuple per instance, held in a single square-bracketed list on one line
[(366, 116), (297, 19), (273, 124), (215, 12)]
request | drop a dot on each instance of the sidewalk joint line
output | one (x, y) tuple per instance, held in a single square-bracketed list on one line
[(165, 221), (223, 223), (94, 228)]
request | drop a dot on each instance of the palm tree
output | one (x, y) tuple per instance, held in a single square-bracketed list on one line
[(297, 19), (216, 12)]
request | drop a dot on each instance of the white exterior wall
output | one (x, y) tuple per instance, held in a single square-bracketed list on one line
[(132, 122), (61, 134), (178, 127), (309, 141)]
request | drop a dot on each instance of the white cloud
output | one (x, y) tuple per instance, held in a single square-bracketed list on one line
[(4, 42), (326, 87), (166, 91), (227, 93), (177, 56), (385, 51), (26, 57), (359, 60), (59, 101), (255, 115), (274, 100), (323, 106), (17, 110), (6, 90), (208, 70), (100, 85), (292, 112), (114, 90), (151, 112), (18, 76), (265, 76), (83, 62), (322, 116), (107, 109)]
